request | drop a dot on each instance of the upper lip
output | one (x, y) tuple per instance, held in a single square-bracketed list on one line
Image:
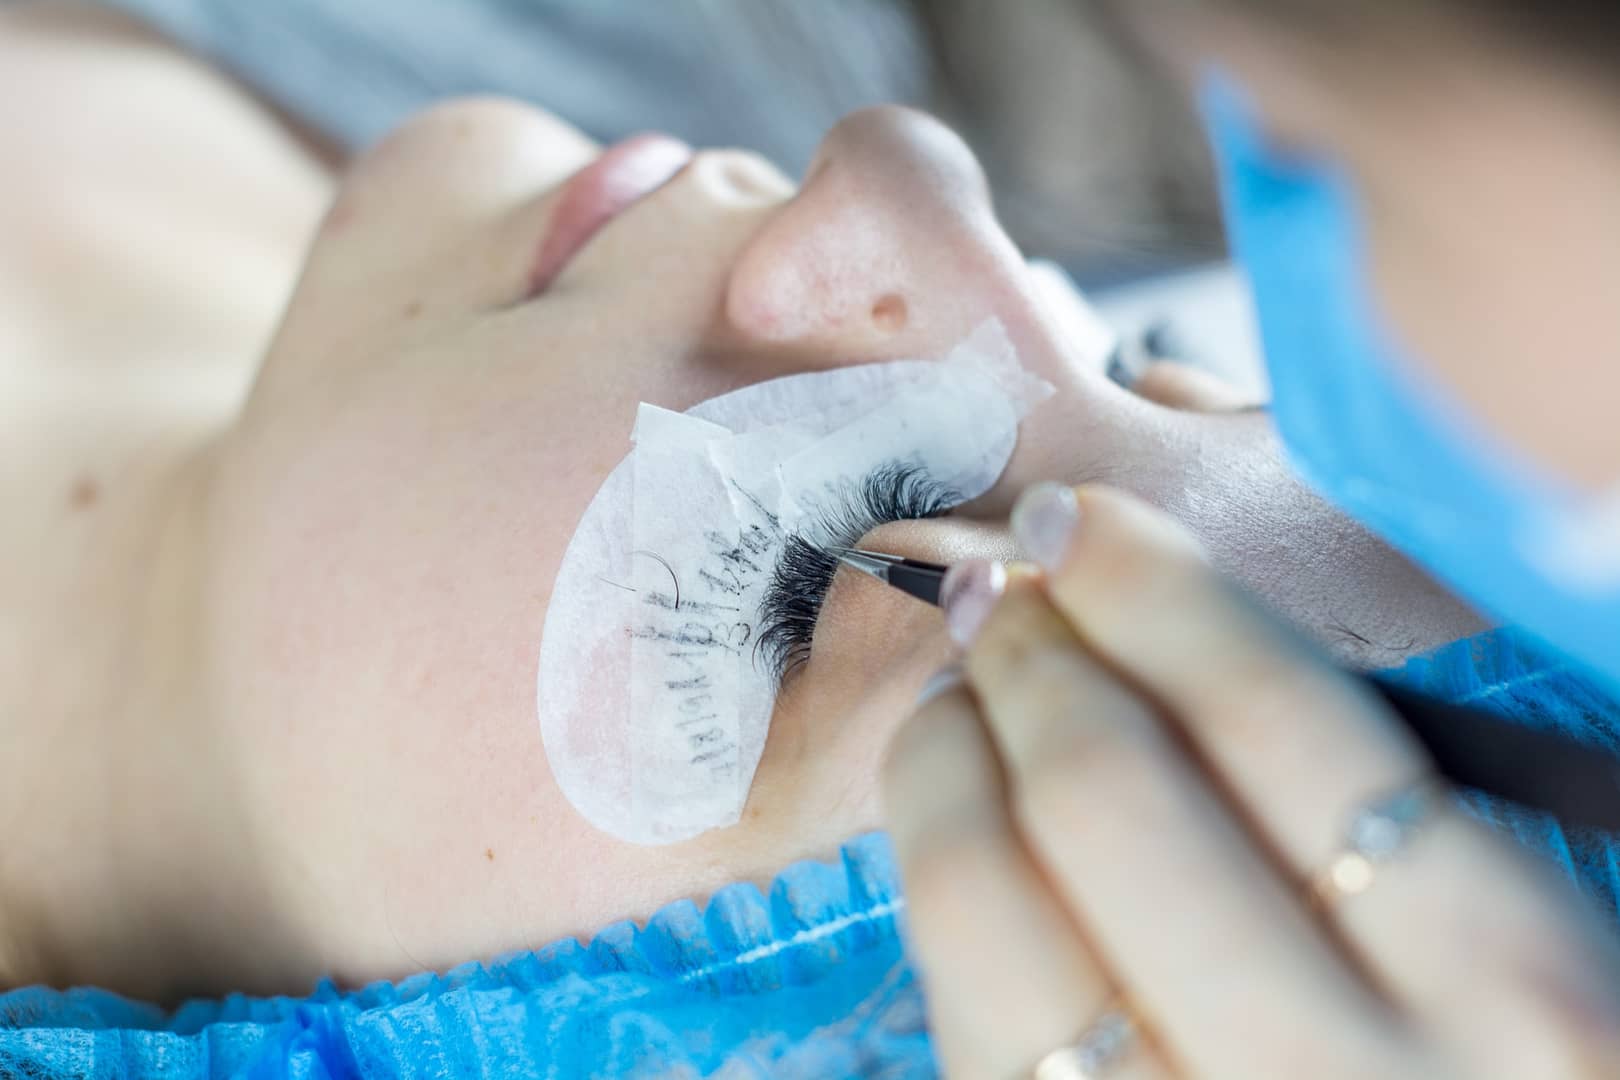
[(625, 173)]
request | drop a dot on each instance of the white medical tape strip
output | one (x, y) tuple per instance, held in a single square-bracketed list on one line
[(653, 709)]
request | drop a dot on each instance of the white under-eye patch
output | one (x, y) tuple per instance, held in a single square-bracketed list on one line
[(653, 706)]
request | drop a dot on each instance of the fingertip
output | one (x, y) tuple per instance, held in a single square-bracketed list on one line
[(1129, 558), (1117, 518), (1175, 385), (1044, 520), (968, 593)]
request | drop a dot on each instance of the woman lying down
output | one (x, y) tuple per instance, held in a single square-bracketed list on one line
[(486, 603)]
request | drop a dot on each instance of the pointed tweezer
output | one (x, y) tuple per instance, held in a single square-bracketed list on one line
[(911, 576)]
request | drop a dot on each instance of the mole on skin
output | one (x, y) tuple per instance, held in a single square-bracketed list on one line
[(889, 313), (84, 494)]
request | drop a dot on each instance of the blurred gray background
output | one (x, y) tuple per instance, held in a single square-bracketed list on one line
[(1095, 161)]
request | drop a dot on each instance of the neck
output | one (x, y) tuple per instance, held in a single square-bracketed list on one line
[(121, 847)]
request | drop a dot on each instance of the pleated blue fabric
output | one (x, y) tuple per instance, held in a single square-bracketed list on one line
[(807, 980)]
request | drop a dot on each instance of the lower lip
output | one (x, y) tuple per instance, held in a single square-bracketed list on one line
[(626, 172)]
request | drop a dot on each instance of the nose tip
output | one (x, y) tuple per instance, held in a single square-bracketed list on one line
[(883, 133), (893, 221)]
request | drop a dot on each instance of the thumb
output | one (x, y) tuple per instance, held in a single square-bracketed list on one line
[(1177, 386)]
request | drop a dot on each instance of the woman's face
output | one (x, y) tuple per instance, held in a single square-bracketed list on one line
[(456, 374)]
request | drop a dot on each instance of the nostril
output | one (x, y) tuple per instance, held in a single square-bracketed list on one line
[(890, 314)]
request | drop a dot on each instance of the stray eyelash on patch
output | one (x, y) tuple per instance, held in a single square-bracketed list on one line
[(804, 570)]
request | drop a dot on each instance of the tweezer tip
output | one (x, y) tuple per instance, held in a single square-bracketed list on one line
[(862, 561), (860, 553)]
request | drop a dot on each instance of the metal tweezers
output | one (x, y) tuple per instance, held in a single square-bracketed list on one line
[(911, 576)]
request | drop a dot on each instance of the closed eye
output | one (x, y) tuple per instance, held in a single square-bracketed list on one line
[(894, 491)]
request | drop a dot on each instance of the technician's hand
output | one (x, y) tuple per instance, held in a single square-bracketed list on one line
[(1131, 820)]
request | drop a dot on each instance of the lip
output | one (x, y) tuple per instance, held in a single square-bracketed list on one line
[(625, 173)]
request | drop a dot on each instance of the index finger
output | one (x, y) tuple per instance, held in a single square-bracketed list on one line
[(1296, 744), (1265, 710)]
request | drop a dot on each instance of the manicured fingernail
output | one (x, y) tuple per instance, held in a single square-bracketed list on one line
[(1043, 520), (968, 592), (945, 679)]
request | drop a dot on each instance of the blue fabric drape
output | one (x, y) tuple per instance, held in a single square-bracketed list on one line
[(808, 980)]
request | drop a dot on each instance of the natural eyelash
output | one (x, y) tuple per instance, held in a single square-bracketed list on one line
[(804, 570)]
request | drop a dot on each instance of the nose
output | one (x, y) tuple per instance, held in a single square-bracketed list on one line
[(891, 246)]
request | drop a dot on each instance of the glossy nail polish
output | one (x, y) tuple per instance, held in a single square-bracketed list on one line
[(1043, 522), (968, 592)]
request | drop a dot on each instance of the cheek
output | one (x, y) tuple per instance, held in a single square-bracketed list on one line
[(1486, 322), (377, 597), (869, 634), (1413, 282)]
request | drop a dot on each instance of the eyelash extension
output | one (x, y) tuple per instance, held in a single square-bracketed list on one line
[(804, 570)]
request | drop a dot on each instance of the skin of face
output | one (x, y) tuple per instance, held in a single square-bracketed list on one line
[(385, 521), (314, 749)]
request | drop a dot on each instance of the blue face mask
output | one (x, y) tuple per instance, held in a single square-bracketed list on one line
[(1367, 431)]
